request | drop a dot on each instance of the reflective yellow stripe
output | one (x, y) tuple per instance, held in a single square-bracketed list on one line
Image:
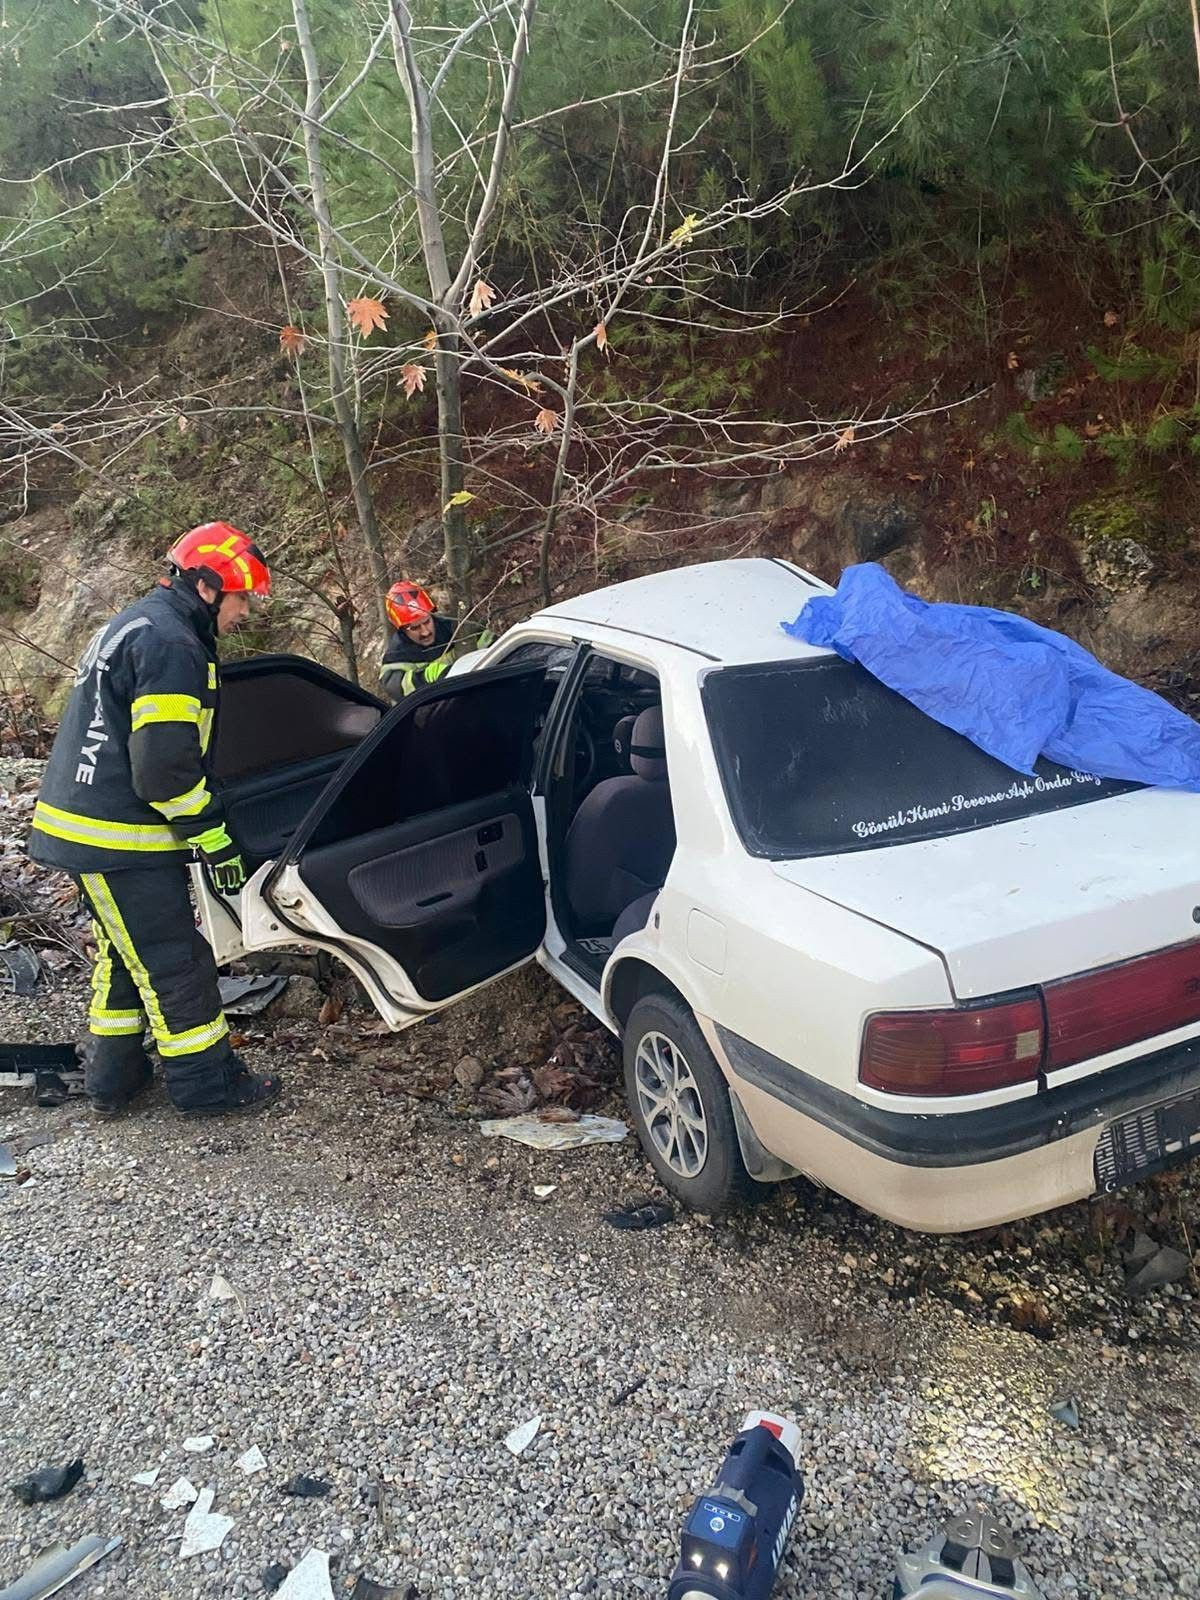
[(206, 727), (116, 1024), (102, 1018), (191, 1040), (164, 708), (103, 835), (214, 839), (194, 1040), (212, 675), (100, 895), (185, 805)]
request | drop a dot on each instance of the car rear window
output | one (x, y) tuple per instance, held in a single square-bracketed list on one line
[(819, 758)]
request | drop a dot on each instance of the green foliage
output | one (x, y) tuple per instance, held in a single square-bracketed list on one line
[(1067, 444), (1122, 448), (1165, 432), (1132, 364), (93, 242), (1016, 431)]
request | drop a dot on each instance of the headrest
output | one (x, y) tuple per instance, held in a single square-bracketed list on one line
[(648, 746), (623, 737)]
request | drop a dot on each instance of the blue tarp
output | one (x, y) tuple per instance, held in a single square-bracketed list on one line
[(1015, 689)]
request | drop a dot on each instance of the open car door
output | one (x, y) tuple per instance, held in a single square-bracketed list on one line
[(285, 727), (419, 865)]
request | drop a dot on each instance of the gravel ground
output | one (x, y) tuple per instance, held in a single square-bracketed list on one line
[(405, 1301)]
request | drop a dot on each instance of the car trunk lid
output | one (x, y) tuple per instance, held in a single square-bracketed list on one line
[(1032, 901)]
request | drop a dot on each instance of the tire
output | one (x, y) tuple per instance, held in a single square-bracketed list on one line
[(690, 1140)]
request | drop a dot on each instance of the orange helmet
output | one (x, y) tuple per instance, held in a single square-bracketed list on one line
[(223, 556), (407, 603)]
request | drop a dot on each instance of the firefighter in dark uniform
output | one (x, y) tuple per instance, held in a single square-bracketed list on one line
[(422, 645), (125, 805)]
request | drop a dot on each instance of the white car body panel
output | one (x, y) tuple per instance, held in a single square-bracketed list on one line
[(793, 956), (1030, 901)]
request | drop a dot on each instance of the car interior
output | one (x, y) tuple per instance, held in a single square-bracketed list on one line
[(426, 846), (285, 727), (612, 828)]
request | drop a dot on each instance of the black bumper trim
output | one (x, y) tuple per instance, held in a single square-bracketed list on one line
[(964, 1138)]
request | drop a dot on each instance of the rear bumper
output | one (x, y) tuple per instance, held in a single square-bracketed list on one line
[(950, 1172)]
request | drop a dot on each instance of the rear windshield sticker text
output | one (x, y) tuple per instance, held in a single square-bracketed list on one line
[(1021, 790)]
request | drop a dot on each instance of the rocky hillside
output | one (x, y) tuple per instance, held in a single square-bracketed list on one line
[(1055, 474)]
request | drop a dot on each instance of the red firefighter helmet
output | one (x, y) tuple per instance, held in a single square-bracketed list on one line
[(224, 557), (407, 603)]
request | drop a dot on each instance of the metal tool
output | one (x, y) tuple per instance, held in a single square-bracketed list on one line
[(735, 1536), (972, 1557)]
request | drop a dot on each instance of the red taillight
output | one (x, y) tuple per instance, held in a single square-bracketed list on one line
[(1123, 1005), (954, 1052)]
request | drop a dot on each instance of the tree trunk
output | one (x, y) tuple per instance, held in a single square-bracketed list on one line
[(335, 316), (455, 540), (445, 291), (560, 473)]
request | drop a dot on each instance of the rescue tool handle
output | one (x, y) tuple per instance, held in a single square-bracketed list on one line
[(742, 1464)]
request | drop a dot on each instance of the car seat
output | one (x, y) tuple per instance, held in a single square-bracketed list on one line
[(621, 841)]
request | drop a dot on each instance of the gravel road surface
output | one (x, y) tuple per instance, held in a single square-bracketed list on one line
[(403, 1300)]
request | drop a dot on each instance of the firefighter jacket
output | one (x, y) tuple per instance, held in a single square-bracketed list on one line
[(126, 784), (407, 666)]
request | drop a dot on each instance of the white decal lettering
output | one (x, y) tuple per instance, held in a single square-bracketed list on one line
[(1023, 789)]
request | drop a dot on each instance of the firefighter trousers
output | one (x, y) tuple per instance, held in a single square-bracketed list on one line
[(153, 966)]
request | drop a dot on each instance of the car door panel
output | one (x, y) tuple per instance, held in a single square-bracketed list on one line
[(286, 725), (423, 850), (264, 812), (454, 897)]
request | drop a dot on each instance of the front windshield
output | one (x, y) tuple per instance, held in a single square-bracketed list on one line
[(818, 758)]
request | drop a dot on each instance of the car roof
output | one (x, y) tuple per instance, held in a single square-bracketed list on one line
[(728, 611)]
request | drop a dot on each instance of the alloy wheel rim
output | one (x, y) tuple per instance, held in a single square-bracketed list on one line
[(670, 1105)]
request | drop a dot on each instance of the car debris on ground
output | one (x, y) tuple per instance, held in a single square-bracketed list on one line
[(302, 1487), (543, 1133), (21, 969), (367, 1589), (48, 1483), (252, 1461), (639, 1214), (60, 1566), (1064, 1410), (522, 1437), (247, 996), (181, 1493), (33, 1066), (309, 1579), (204, 1529)]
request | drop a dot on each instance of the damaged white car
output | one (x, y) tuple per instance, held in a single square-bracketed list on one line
[(834, 937)]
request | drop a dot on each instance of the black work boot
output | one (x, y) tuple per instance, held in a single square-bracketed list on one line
[(243, 1091), (116, 1073)]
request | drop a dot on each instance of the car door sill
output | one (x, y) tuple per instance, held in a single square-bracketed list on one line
[(576, 980)]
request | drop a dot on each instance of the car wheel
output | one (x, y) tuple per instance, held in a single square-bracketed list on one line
[(680, 1106)]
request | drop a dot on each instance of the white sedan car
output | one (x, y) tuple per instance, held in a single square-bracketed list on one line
[(834, 937)]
